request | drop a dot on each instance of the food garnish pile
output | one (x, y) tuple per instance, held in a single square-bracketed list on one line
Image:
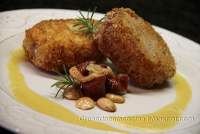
[(88, 82), (79, 48)]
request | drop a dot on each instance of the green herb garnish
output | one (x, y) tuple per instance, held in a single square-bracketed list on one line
[(86, 23), (66, 81)]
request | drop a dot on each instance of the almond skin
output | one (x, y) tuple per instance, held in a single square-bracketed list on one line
[(106, 104), (115, 98), (85, 103), (71, 94)]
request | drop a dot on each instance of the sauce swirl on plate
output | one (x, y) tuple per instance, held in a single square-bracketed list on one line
[(41, 104)]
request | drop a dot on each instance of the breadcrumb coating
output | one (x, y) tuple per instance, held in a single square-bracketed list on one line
[(135, 48), (50, 44)]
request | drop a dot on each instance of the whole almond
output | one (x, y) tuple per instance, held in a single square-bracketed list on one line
[(106, 104), (71, 94), (85, 103), (115, 98)]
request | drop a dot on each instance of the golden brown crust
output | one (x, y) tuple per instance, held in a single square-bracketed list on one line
[(135, 47), (51, 44)]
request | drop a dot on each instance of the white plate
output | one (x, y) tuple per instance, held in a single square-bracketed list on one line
[(21, 118)]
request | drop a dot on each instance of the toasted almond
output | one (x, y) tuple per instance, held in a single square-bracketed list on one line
[(96, 71), (106, 104), (71, 94), (115, 98), (85, 103)]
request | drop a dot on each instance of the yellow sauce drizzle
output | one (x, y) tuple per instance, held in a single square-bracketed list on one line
[(38, 103), (165, 118)]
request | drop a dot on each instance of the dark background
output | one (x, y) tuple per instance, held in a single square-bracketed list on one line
[(180, 16)]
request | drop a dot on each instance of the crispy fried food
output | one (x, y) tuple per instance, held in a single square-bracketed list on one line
[(51, 44), (135, 47)]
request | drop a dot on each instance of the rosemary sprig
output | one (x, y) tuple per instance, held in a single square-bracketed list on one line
[(65, 82), (86, 23)]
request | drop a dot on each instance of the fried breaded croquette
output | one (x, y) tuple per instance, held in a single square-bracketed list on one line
[(135, 48), (51, 44)]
